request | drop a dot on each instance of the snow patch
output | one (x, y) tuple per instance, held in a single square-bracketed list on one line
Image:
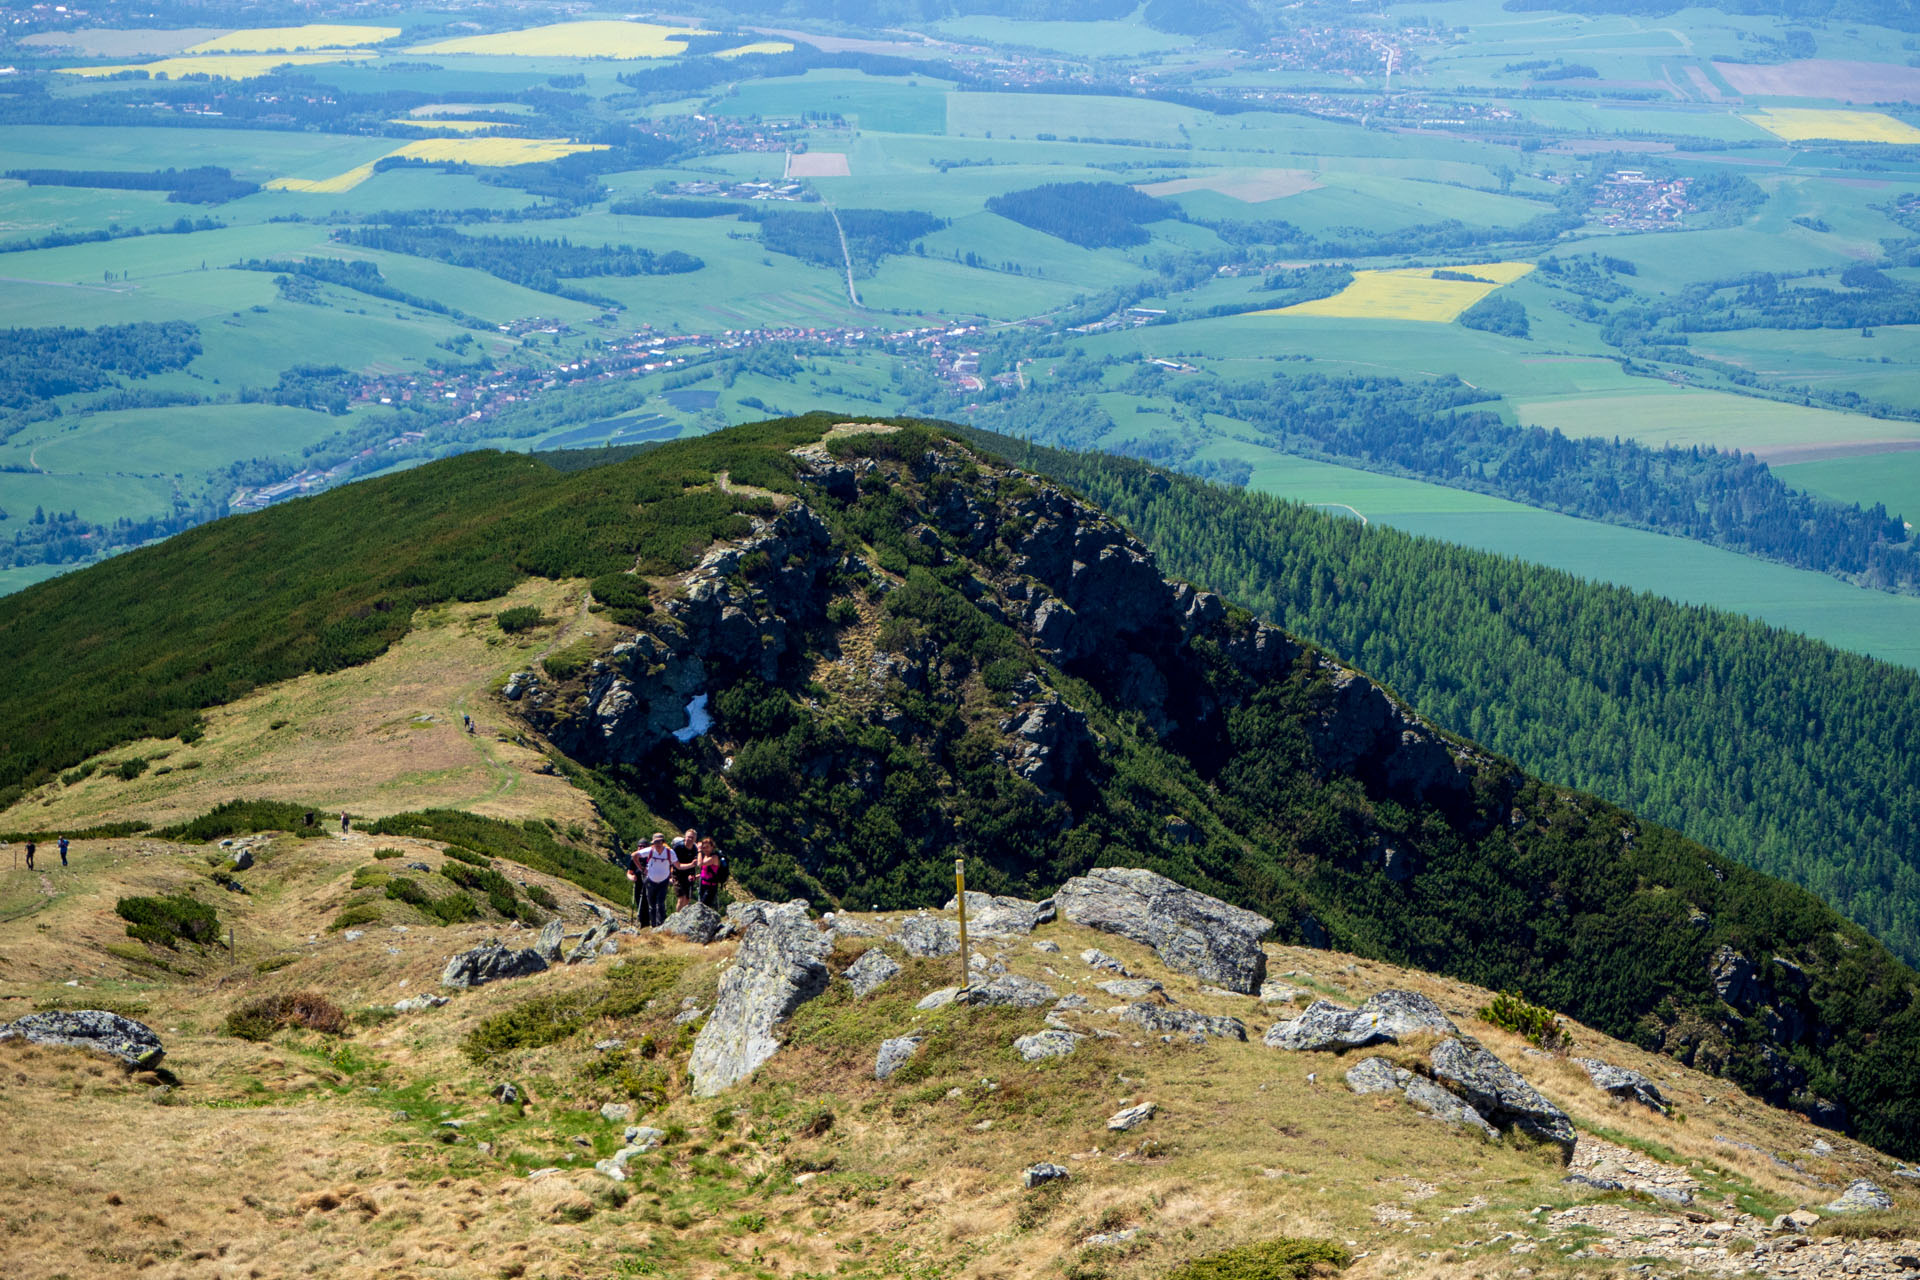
[(698, 721)]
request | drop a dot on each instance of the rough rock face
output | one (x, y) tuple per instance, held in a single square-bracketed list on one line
[(779, 966), (1132, 1117), (1496, 1090), (1010, 990), (1324, 1025), (1162, 1019), (696, 922), (1377, 1075), (1131, 988), (1042, 1173), (95, 1030), (871, 971), (1736, 979), (596, 942), (1052, 739), (994, 916), (894, 1054), (928, 936), (1862, 1196), (490, 963), (1622, 1083), (552, 938), (1192, 932), (1054, 1043)]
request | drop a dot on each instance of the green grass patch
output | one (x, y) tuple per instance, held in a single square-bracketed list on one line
[(1287, 1258), (529, 843), (242, 817), (546, 1020)]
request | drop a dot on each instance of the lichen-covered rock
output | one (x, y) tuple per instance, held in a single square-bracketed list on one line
[(873, 969), (779, 966), (1377, 1075), (894, 1054), (1164, 1019), (94, 1030), (1862, 1196), (1043, 1173), (991, 916), (928, 937), (490, 963), (552, 938), (1192, 932), (1132, 1117), (1498, 1093), (418, 1004), (1390, 1015), (596, 942), (696, 922), (1131, 988), (1098, 959), (1622, 1083), (1008, 990), (1057, 1043)]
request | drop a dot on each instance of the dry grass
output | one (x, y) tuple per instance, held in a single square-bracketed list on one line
[(1807, 124), (818, 164), (294, 39), (1252, 186), (1410, 293)]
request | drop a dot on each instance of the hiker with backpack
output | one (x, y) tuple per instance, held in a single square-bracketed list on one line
[(686, 859), (710, 872), (653, 872), (63, 851), (29, 855)]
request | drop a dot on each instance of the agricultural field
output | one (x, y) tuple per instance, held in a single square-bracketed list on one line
[(483, 151), (220, 66), (294, 39), (1797, 124), (1412, 293), (574, 40)]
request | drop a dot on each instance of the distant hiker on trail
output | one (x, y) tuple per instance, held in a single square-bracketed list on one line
[(711, 873), (312, 818), (686, 857), (29, 855), (346, 824), (655, 867), (63, 851), (468, 721)]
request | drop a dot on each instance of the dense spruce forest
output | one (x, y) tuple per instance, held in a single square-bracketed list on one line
[(38, 364), (1497, 878), (522, 260), (1093, 215), (1730, 500), (204, 185), (298, 279), (1779, 751), (872, 234)]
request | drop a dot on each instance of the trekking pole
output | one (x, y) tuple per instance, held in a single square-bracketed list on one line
[(960, 898)]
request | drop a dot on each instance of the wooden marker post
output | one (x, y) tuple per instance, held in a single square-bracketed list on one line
[(960, 900)]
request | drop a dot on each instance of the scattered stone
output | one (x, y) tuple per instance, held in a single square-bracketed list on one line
[(595, 942), (928, 937), (1498, 1093), (1047, 945), (615, 1166), (1862, 1196), (696, 922), (354, 935), (938, 999), (94, 1030), (1110, 1237), (642, 1138), (1173, 1020), (1056, 1043), (1009, 990), (1622, 1083), (1277, 993), (608, 1046), (1192, 932), (1324, 1025), (1074, 1001), (1043, 1173), (506, 1094), (422, 867), (490, 963), (780, 965), (1130, 988), (1377, 1075), (1132, 1117), (872, 970), (1800, 1220), (845, 926), (243, 860), (1098, 959), (894, 1054), (1599, 1162), (990, 916), (416, 1004), (616, 1112), (552, 938), (685, 1016)]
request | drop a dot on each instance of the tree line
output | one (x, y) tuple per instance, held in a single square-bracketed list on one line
[(204, 185), (38, 364), (542, 265)]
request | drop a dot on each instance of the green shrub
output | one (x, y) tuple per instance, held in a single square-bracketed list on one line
[(384, 854), (546, 1020), (259, 1019), (530, 843), (453, 908), (842, 612), (622, 597), (1510, 1011), (497, 888), (169, 920), (130, 769), (520, 618), (1286, 1258), (76, 776), (370, 878), (242, 817), (565, 664), (407, 890), (358, 913), (543, 897), (467, 856)]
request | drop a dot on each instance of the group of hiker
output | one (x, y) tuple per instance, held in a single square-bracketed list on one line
[(33, 847), (692, 865)]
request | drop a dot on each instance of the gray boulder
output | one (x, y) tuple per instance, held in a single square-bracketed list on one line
[(1043, 1173), (1192, 932), (1862, 1196), (1131, 988), (780, 965), (1098, 959), (552, 938), (419, 1003), (696, 922), (937, 999), (871, 971), (1377, 1075), (1132, 1117), (894, 1054), (1388, 1016), (1047, 1044), (507, 1094), (643, 1138), (1497, 1092), (1163, 1019), (490, 963), (596, 942), (243, 859), (928, 937), (991, 916), (94, 1030), (1622, 1083), (1009, 990)]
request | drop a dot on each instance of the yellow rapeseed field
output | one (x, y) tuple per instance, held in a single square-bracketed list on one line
[(291, 39), (485, 151), (574, 40), (1410, 293), (221, 66), (1806, 124), (759, 46)]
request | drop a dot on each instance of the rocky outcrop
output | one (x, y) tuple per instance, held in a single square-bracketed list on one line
[(595, 942), (94, 1030), (1192, 932), (1162, 1019), (1051, 740), (1622, 1083), (928, 937), (780, 965), (1008, 991), (1862, 1196), (696, 922), (490, 963), (1052, 1043), (1497, 1092), (1039, 1175), (871, 971), (552, 939), (994, 916), (1361, 729), (1377, 1075), (1736, 980), (894, 1054), (1131, 988), (1390, 1015)]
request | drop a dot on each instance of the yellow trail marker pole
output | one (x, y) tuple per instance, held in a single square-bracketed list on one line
[(960, 898)]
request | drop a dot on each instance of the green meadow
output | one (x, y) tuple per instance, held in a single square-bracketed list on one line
[(1891, 479)]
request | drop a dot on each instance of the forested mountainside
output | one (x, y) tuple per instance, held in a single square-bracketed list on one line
[(1779, 751), (910, 652)]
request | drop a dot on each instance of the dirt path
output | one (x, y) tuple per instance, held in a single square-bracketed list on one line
[(846, 256)]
